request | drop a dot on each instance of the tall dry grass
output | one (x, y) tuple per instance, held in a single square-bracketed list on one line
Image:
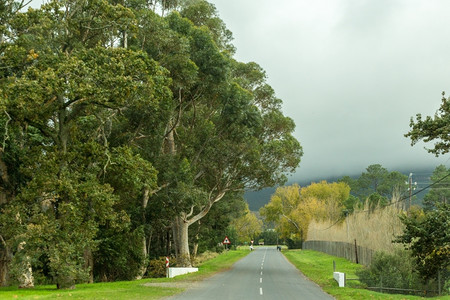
[(372, 228)]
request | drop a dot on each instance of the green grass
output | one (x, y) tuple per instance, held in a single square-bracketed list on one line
[(127, 289), (318, 267)]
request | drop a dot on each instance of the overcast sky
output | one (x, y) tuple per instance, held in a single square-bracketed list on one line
[(351, 73)]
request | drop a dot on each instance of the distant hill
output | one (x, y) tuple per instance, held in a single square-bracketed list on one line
[(258, 199)]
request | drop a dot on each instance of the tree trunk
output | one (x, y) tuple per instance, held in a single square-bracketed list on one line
[(180, 235), (181, 228), (26, 279), (5, 259), (89, 263), (168, 244), (5, 196), (143, 268), (195, 247)]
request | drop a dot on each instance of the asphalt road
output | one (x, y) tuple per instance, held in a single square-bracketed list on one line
[(263, 274)]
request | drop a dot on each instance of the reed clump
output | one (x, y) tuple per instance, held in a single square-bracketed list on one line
[(372, 227)]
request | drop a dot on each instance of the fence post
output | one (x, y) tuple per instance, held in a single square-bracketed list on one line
[(334, 266), (381, 283), (356, 253), (439, 282)]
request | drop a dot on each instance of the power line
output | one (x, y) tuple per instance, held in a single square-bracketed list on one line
[(428, 186)]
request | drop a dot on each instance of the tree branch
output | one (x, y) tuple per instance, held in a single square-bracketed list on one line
[(6, 137)]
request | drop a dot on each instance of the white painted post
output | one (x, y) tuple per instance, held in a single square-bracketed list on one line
[(340, 278)]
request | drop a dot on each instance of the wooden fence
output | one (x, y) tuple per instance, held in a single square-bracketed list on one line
[(352, 252)]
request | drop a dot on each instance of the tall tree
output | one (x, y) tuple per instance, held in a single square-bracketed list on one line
[(214, 117), (72, 88), (282, 211), (428, 238), (377, 181), (440, 192), (292, 208), (372, 180), (333, 197), (248, 227)]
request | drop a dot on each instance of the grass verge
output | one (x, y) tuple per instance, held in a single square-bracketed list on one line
[(151, 288), (318, 267)]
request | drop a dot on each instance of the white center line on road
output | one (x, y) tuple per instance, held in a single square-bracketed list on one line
[(261, 273), (260, 291), (260, 280)]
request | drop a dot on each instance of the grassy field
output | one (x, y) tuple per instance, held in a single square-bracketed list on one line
[(152, 288), (318, 267)]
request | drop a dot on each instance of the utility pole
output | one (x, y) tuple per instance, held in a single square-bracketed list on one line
[(411, 189)]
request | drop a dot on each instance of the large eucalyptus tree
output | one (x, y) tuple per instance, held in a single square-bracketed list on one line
[(68, 83), (227, 132)]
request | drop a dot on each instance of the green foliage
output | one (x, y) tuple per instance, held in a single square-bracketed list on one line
[(202, 13), (390, 270), (433, 129), (439, 193), (118, 255), (113, 120), (247, 227), (375, 201), (270, 237), (294, 243), (377, 185), (428, 238), (212, 229), (157, 267)]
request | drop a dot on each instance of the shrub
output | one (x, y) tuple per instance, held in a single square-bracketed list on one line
[(157, 267), (294, 243), (390, 270)]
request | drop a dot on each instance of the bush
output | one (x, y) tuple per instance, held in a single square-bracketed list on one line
[(157, 267), (119, 255), (446, 289), (294, 244), (390, 270)]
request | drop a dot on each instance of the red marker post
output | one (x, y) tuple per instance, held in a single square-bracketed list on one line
[(167, 266)]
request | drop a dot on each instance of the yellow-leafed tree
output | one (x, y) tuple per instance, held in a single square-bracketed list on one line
[(331, 197), (292, 208), (282, 211), (248, 226)]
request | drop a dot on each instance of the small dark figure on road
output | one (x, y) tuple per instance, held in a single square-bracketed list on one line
[(278, 248)]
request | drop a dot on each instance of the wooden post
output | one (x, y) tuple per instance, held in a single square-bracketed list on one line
[(381, 283), (356, 253), (439, 282)]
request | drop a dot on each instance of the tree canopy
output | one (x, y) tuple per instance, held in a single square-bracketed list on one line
[(433, 129), (292, 208), (123, 124), (428, 238)]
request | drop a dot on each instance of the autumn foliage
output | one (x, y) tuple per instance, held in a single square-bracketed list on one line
[(293, 208)]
